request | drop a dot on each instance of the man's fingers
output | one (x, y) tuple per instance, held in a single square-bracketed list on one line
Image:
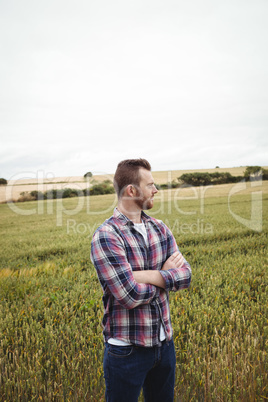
[(178, 259), (174, 261), (175, 255)]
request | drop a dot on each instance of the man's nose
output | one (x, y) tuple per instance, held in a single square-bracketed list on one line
[(155, 189)]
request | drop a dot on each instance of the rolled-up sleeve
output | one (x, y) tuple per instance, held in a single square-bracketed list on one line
[(114, 271), (176, 278)]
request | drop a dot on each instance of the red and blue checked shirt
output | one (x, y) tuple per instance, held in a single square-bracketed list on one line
[(134, 312)]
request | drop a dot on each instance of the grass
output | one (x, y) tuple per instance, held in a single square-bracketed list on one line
[(51, 310)]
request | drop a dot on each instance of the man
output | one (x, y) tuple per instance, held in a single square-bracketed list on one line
[(138, 262)]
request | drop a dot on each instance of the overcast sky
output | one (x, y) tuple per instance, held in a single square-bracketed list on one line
[(87, 83)]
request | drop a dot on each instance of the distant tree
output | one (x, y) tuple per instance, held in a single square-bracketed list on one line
[(205, 178), (101, 188), (88, 175), (37, 195), (195, 179), (264, 174), (221, 178), (3, 182), (70, 192), (253, 172)]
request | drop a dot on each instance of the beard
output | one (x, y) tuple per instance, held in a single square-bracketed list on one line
[(144, 203)]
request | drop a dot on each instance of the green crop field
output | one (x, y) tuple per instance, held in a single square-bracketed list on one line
[(51, 309)]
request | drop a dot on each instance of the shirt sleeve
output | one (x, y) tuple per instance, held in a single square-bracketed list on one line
[(176, 278), (114, 271)]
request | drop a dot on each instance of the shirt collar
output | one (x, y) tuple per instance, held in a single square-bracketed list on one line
[(125, 220)]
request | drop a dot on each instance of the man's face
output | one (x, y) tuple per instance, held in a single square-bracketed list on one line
[(146, 190)]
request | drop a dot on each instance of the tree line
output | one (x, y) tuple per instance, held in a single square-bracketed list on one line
[(186, 179), (97, 189), (206, 178)]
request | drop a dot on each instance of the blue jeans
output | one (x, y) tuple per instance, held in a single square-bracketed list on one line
[(128, 369)]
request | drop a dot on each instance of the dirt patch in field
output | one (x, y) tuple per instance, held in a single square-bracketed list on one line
[(14, 188)]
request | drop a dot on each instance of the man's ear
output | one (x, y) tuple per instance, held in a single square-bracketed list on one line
[(130, 190)]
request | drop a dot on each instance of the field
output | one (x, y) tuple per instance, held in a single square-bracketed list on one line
[(51, 309), (44, 182)]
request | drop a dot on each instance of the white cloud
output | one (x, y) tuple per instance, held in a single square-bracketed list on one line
[(86, 84)]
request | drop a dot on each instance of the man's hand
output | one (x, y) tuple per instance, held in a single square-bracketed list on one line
[(153, 277), (174, 261)]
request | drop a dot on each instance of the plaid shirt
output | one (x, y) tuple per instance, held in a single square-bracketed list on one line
[(133, 312)]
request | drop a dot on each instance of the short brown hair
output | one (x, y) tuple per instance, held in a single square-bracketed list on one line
[(127, 172)]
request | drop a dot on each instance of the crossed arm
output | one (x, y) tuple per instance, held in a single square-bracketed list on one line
[(154, 277), (133, 288)]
